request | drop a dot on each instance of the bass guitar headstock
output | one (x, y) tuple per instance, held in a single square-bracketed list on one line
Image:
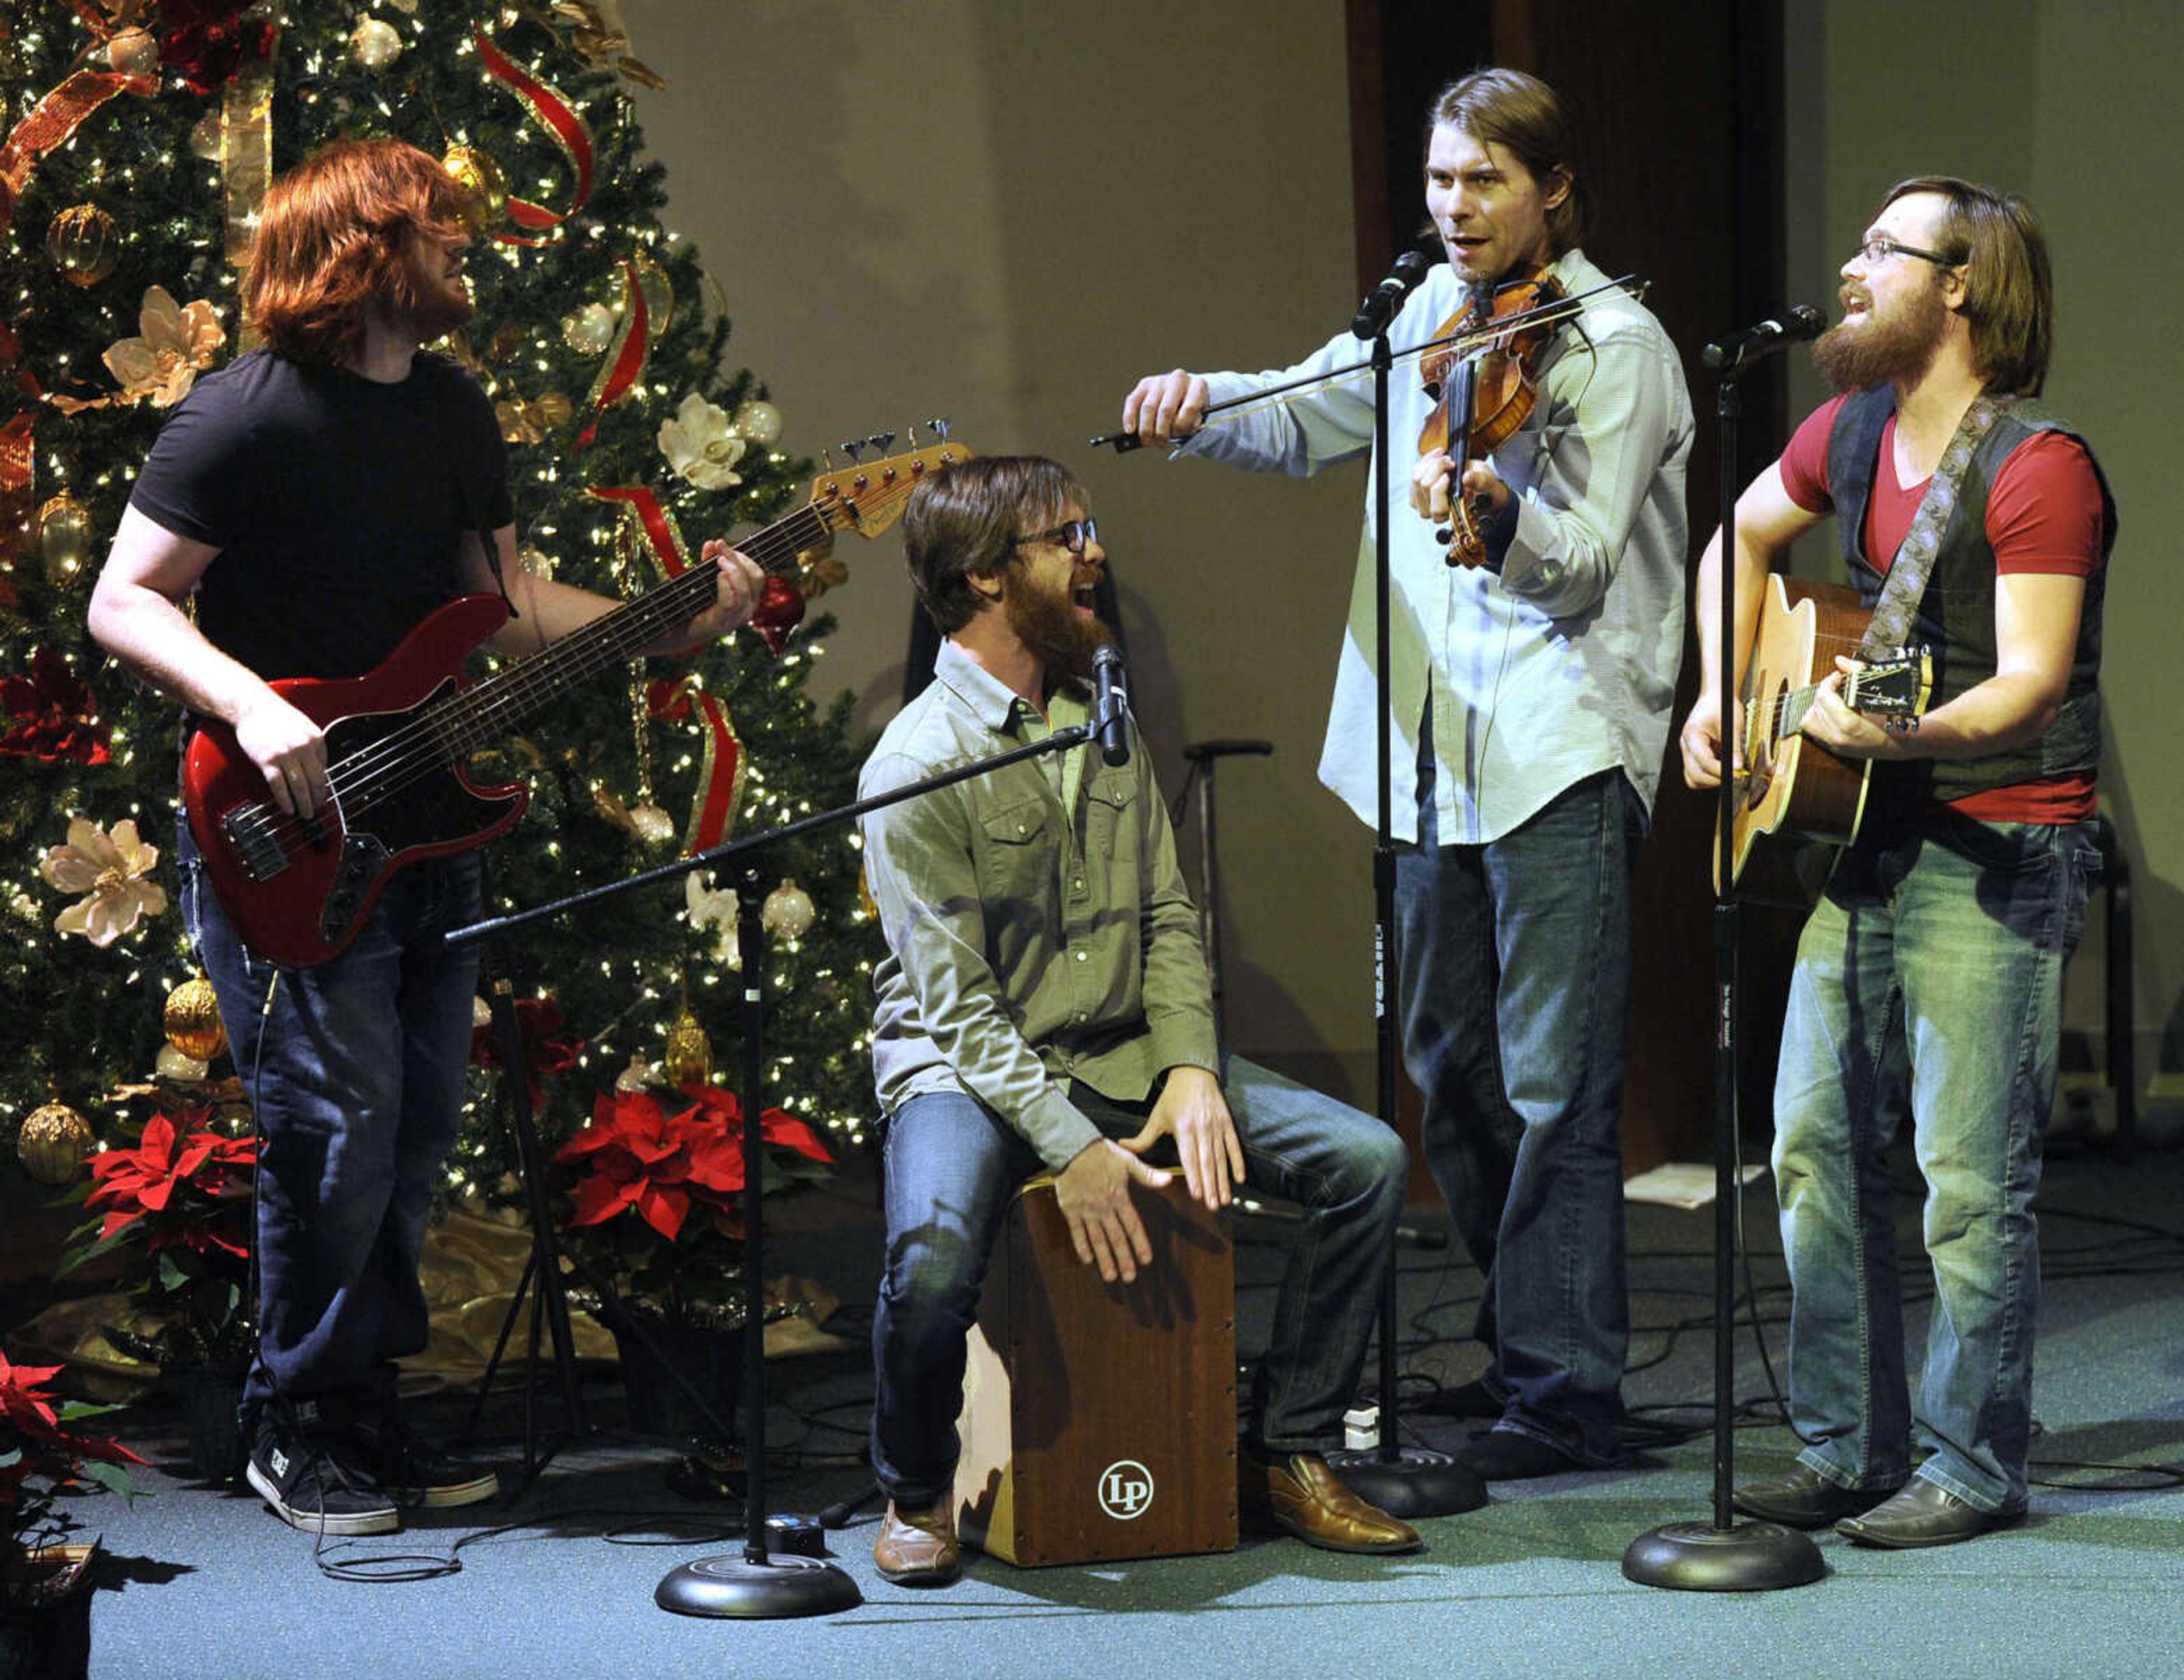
[(867, 496)]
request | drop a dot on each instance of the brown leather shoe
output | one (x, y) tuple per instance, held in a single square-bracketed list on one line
[(1300, 1495), (918, 1548), (1804, 1498), (1924, 1514)]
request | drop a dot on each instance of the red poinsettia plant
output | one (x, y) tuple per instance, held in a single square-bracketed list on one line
[(179, 1204), (655, 1185), (539, 1026), (43, 1455), (51, 715), (208, 40)]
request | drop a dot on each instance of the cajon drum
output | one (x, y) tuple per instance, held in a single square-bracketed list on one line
[(1099, 1419)]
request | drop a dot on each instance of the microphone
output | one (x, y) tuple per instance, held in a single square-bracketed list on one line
[(1793, 327), (1381, 304), (1110, 706)]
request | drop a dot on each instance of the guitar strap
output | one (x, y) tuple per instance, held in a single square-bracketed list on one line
[(1889, 631)]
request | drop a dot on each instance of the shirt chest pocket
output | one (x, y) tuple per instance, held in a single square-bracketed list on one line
[(1111, 833), (1018, 851)]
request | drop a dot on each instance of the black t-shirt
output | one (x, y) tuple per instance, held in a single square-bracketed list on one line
[(338, 505)]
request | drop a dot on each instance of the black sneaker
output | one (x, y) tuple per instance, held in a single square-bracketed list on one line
[(310, 1478), (418, 1473)]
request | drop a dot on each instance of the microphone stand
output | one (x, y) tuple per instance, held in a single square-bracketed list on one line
[(1726, 1556), (757, 1583), (1403, 1481)]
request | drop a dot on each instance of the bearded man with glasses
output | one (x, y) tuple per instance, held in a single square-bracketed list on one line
[(1044, 1005), (1929, 980)]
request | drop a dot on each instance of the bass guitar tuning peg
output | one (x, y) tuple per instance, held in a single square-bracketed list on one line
[(881, 440), (854, 447), (938, 427)]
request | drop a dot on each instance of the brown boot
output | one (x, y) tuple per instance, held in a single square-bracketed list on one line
[(918, 1548), (1300, 1495)]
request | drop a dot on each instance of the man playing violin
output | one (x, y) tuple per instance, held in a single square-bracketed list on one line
[(1929, 979), (1531, 695)]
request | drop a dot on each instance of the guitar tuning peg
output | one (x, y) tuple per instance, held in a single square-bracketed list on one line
[(938, 427), (854, 447), (910, 434), (881, 440), (826, 459)]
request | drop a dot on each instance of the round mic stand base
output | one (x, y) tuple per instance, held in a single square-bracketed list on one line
[(1745, 1557), (1418, 1483), (770, 1588)]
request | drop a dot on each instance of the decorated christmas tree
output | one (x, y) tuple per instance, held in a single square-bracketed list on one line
[(136, 138)]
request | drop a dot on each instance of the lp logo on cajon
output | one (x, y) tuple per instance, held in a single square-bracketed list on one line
[(1125, 1489)]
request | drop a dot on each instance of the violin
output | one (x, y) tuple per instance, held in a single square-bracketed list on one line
[(1484, 386)]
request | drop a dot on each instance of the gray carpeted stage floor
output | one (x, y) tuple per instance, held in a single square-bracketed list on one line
[(202, 1580)]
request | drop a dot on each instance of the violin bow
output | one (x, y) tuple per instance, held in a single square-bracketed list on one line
[(1121, 442)]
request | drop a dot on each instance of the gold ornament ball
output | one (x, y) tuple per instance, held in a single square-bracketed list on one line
[(65, 539), (53, 1142), (589, 330), (192, 1019), (788, 913), (205, 136), (376, 44), (689, 1058), (83, 242), (760, 422), (483, 178), (134, 52)]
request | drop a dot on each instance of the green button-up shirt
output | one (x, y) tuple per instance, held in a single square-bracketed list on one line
[(1038, 928)]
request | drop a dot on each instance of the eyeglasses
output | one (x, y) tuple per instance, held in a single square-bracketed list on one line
[(1880, 247), (1072, 535)]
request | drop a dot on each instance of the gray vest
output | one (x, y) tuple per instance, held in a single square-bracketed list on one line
[(1955, 614)]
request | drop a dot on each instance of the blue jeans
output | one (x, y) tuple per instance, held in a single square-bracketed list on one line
[(952, 1166), (1930, 982), (357, 1073), (1515, 963)]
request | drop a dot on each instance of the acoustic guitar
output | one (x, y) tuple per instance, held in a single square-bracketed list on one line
[(1793, 785), (398, 740)]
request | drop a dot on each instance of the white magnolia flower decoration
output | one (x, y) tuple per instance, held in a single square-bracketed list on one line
[(709, 909), (109, 872), (176, 342), (701, 444)]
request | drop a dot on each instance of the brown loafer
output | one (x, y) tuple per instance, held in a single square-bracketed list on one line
[(918, 1548), (1300, 1495), (1924, 1514)]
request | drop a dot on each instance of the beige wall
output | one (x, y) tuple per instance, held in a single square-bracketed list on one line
[(1005, 213)]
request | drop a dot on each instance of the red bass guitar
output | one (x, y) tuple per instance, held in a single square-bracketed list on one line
[(400, 740)]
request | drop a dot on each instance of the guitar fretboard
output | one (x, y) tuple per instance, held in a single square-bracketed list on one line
[(482, 713)]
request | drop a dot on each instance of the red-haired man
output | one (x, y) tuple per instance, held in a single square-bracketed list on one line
[(319, 496)]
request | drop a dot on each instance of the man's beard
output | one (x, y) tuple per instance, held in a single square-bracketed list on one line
[(1048, 627), (1881, 348), (439, 311)]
